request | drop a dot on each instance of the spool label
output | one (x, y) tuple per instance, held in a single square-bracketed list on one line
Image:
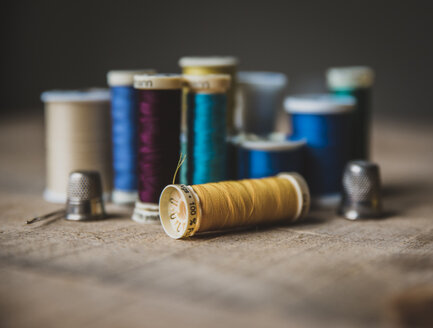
[(183, 212)]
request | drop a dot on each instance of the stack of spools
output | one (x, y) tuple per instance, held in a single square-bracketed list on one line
[(124, 131), (203, 66), (260, 151), (78, 137)]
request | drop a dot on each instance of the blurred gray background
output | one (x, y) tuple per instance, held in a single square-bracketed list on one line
[(72, 44)]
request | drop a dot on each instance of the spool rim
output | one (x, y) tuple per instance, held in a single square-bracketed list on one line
[(350, 77), (319, 104), (303, 192), (270, 144), (188, 221), (80, 95), (207, 61), (262, 78), (124, 197), (125, 77), (211, 83), (158, 81), (145, 213)]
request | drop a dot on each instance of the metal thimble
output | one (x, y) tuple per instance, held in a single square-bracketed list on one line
[(84, 200), (361, 191)]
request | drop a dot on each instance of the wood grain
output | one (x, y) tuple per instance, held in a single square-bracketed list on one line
[(324, 272)]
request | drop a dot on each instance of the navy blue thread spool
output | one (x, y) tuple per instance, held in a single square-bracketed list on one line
[(261, 96), (206, 145), (124, 133), (325, 122), (356, 81), (265, 157)]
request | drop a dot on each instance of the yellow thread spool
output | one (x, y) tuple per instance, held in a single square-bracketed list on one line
[(187, 210), (215, 65)]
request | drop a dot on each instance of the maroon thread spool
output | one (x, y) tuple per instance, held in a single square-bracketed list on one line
[(159, 115)]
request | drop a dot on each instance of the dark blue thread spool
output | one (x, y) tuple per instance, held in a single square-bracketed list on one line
[(324, 121), (260, 158)]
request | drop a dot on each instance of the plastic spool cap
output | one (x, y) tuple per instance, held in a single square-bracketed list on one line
[(145, 213), (263, 79), (319, 104), (211, 61), (180, 211), (212, 83), (125, 77), (158, 81), (273, 143), (351, 77), (302, 191), (122, 197), (85, 95)]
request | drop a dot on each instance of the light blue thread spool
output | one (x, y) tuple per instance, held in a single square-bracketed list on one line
[(124, 133), (356, 81), (260, 158), (324, 121), (260, 101), (206, 148)]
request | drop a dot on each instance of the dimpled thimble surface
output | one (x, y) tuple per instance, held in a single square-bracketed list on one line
[(84, 196), (361, 191)]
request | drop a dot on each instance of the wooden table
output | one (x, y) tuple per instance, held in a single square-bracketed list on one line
[(326, 271)]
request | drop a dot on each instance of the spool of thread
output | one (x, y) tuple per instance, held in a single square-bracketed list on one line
[(124, 133), (159, 106), (188, 210), (206, 150), (266, 157), (77, 126), (324, 121), (215, 65), (261, 100), (355, 81)]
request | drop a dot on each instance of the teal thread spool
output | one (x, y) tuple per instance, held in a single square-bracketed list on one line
[(356, 81), (206, 145)]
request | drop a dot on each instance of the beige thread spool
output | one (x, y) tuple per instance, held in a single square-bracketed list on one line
[(181, 210), (78, 137)]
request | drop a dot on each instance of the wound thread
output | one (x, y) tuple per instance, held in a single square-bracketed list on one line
[(159, 104), (78, 137), (187, 210), (200, 66), (206, 147)]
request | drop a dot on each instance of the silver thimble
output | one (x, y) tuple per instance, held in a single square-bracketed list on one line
[(361, 191), (84, 200)]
